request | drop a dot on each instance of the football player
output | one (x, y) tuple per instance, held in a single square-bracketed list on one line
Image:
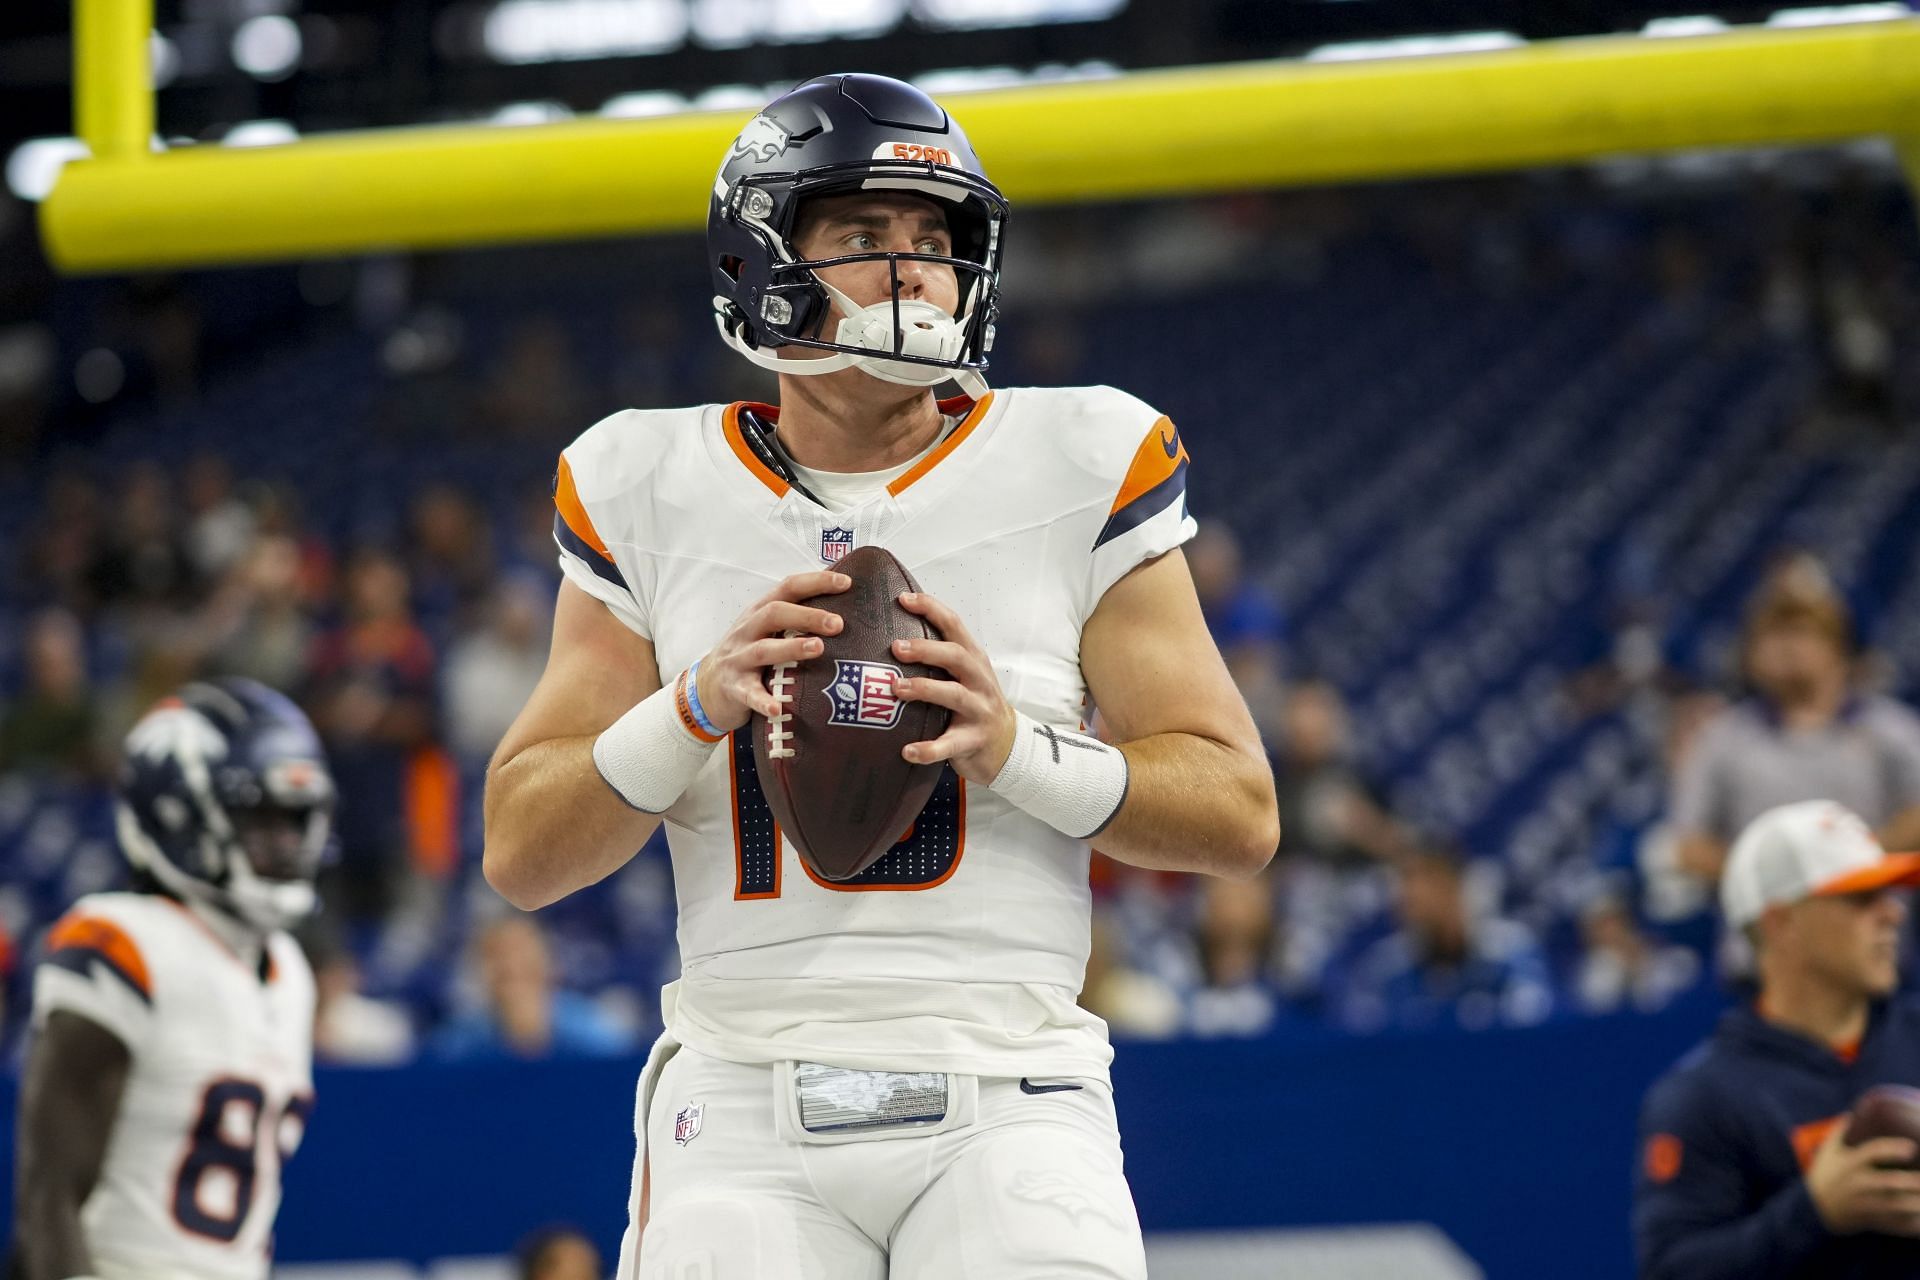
[(170, 1074), (887, 1076)]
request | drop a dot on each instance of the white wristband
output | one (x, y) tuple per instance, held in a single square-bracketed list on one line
[(1073, 783), (649, 756)]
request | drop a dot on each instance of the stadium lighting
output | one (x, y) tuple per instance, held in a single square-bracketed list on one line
[(260, 133), (1834, 15), (1703, 24), (523, 31), (267, 47), (1415, 46), (731, 24), (967, 79), (99, 375), (36, 163), (524, 113), (733, 97), (635, 106), (967, 15), (163, 60)]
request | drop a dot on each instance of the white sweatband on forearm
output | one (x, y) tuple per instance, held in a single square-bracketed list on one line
[(649, 756), (1073, 783)]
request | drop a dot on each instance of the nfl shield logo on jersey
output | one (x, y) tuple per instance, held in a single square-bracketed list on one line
[(862, 694), (686, 1125), (834, 544)]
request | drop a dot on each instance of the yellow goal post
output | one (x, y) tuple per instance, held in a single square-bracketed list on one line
[(131, 205)]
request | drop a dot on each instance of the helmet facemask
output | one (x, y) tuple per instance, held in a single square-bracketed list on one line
[(241, 828), (907, 341)]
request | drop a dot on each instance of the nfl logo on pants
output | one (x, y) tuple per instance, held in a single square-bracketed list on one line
[(686, 1125), (834, 544)]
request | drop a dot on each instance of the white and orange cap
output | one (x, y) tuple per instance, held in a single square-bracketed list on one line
[(1811, 849)]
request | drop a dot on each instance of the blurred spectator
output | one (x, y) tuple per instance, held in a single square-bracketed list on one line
[(259, 622), (1131, 1001), (348, 1026), (1805, 735), (558, 1253), (1446, 965), (452, 561), (1236, 937), (142, 563), (1329, 813), (371, 693), (276, 512), (522, 1014), (1624, 968), (219, 525), (27, 356), (536, 391), (60, 551), (1336, 839), (1671, 892), (165, 321), (53, 725), (1859, 353), (491, 673), (1245, 620)]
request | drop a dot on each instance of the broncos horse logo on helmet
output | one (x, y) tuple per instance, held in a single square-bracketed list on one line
[(832, 136), (224, 797)]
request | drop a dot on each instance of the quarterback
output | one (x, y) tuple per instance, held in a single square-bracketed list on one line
[(886, 1076), (171, 1070)]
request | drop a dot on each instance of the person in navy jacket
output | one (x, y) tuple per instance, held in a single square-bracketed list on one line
[(1743, 1172)]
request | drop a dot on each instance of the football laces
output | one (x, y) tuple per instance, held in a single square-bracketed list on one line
[(780, 684)]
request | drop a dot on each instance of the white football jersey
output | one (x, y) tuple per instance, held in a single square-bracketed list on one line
[(964, 947), (218, 1093)]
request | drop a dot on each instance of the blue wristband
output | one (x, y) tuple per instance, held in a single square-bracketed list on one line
[(693, 703)]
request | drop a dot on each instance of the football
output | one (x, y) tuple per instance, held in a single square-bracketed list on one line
[(830, 764), (1886, 1111)]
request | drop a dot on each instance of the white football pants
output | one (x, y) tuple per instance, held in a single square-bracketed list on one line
[(1014, 1185)]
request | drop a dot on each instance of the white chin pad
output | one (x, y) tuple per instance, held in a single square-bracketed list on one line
[(926, 332)]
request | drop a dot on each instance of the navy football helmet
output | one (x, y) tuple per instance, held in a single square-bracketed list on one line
[(224, 797), (832, 136)]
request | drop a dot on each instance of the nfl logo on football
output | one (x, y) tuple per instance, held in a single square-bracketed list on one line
[(686, 1125), (834, 544), (862, 694)]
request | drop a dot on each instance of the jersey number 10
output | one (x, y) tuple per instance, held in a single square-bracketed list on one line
[(925, 855)]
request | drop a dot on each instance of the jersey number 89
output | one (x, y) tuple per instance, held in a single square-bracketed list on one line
[(222, 1146)]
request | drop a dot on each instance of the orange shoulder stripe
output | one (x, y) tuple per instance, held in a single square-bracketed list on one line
[(1157, 458), (946, 446), (567, 499), (731, 428), (109, 941)]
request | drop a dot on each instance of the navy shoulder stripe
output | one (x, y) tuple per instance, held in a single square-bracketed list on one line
[(1146, 506), (81, 960), (601, 565)]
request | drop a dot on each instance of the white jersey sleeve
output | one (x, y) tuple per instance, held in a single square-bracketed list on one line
[(94, 968), (1135, 455), (594, 487)]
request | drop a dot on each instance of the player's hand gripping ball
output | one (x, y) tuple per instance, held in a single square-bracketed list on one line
[(830, 763), (1885, 1111)]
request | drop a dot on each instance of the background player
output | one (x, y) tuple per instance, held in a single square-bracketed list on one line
[(171, 1073), (856, 249)]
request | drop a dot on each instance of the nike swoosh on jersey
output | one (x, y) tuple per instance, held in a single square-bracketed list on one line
[(1028, 1086)]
